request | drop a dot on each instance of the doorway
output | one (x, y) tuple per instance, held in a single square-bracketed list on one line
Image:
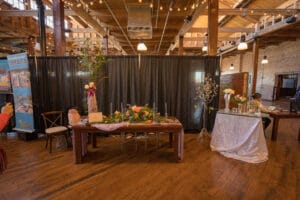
[(286, 85)]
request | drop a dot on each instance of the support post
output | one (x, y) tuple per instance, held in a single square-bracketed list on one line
[(213, 10), (42, 27), (255, 63), (180, 49), (59, 28)]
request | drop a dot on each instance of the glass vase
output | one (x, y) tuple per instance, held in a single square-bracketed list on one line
[(227, 99)]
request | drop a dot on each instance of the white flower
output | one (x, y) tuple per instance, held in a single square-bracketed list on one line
[(86, 86), (229, 91)]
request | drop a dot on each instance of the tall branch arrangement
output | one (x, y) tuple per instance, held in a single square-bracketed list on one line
[(206, 91), (92, 60)]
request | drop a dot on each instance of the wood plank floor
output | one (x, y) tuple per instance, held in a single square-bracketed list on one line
[(108, 173)]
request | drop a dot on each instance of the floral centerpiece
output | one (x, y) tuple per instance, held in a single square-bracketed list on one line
[(240, 99), (227, 94), (134, 114)]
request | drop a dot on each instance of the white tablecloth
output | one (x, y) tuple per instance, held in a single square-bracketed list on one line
[(239, 137)]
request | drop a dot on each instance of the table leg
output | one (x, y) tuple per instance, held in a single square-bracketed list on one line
[(275, 128), (171, 139), (94, 139), (178, 144), (77, 147)]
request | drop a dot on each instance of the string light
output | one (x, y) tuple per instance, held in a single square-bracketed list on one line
[(178, 9), (171, 9), (151, 5), (161, 8), (100, 1)]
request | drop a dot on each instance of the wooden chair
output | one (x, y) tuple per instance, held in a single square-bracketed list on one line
[(53, 122)]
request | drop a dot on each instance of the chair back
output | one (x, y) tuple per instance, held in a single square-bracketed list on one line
[(52, 119)]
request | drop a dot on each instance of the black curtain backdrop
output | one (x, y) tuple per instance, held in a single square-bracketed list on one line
[(58, 84)]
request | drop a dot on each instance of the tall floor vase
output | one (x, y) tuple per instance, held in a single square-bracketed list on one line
[(92, 103), (227, 99)]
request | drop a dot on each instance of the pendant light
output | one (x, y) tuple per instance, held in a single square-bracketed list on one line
[(141, 46), (242, 45), (264, 60), (231, 67)]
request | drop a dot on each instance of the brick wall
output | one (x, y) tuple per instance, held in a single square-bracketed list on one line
[(284, 58)]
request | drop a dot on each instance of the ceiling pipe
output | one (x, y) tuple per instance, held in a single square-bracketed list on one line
[(117, 21), (166, 21)]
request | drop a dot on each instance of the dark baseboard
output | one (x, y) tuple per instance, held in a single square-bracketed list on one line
[(27, 136)]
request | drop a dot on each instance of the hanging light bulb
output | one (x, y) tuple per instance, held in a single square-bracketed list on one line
[(204, 48), (242, 45), (140, 1), (264, 60), (231, 67), (100, 1), (161, 8), (151, 5)]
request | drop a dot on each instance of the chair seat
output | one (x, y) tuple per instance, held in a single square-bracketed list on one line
[(56, 129)]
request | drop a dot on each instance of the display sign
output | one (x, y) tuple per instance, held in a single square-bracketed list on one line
[(20, 81), (4, 76)]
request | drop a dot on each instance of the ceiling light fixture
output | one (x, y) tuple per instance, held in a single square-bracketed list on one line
[(141, 46), (265, 60), (231, 67), (242, 45)]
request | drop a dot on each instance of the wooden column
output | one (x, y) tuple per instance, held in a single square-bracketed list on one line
[(59, 28), (105, 44), (255, 63), (31, 44), (213, 12), (241, 63), (180, 49), (42, 27)]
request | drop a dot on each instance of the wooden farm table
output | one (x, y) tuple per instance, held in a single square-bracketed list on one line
[(277, 117), (174, 129)]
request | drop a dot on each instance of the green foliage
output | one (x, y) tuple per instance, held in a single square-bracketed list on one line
[(92, 61)]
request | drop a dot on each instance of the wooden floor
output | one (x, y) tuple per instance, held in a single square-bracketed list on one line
[(108, 173)]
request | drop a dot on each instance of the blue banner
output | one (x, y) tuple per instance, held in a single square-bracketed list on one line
[(4, 76), (20, 81)]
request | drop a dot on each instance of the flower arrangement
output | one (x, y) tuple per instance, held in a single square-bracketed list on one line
[(207, 91), (134, 114), (91, 89), (228, 91), (240, 99)]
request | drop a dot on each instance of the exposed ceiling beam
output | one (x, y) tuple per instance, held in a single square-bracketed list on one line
[(188, 24), (223, 30), (104, 13)]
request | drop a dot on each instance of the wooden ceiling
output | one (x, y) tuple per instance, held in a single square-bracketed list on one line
[(168, 20)]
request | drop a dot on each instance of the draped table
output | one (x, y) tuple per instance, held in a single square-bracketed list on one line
[(175, 130), (239, 136)]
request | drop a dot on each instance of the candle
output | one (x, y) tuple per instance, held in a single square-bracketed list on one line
[(110, 108), (153, 107), (166, 109)]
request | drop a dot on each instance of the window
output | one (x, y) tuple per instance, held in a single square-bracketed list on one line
[(16, 4), (199, 77)]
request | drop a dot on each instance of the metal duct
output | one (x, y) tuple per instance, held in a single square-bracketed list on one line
[(139, 22)]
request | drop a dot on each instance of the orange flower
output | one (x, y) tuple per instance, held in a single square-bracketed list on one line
[(136, 108)]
